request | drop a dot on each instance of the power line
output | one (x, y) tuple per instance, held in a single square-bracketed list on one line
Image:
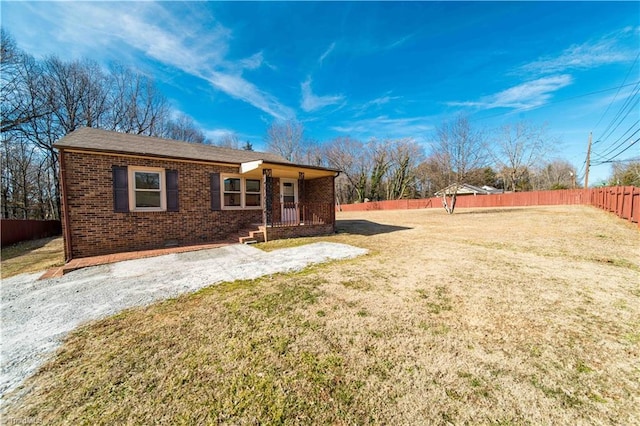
[(612, 159), (627, 104), (613, 148), (618, 91), (559, 101)]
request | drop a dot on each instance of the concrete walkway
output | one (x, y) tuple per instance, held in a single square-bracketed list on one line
[(86, 262), (38, 314)]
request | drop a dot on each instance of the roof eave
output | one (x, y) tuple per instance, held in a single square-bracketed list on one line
[(140, 154), (245, 167)]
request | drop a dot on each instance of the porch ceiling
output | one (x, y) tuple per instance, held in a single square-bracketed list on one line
[(281, 170)]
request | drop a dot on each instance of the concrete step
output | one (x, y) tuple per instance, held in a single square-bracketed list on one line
[(253, 236), (257, 235)]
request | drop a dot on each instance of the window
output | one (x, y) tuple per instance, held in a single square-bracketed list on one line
[(241, 193), (232, 192), (252, 193), (147, 189)]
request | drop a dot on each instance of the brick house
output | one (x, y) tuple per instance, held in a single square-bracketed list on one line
[(124, 192)]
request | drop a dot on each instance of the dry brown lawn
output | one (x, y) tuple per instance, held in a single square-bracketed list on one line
[(501, 316), (32, 256)]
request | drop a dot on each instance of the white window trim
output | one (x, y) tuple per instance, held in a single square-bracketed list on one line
[(132, 191), (243, 193)]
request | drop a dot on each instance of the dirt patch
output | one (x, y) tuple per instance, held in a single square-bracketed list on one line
[(526, 316)]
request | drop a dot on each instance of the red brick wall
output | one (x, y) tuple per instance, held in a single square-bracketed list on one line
[(316, 191), (322, 191), (95, 229), (278, 233)]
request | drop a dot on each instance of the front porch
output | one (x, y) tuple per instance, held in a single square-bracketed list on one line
[(293, 220), (297, 201), (300, 214)]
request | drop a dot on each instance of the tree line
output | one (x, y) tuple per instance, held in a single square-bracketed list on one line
[(513, 158), (44, 99)]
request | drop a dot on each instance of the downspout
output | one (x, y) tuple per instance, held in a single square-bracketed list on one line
[(65, 209)]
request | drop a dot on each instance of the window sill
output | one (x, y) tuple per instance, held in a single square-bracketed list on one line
[(241, 208), (149, 210)]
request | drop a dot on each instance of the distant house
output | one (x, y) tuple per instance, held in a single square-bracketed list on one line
[(124, 192), (466, 189)]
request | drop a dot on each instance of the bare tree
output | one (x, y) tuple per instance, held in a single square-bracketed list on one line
[(430, 177), (458, 149), (405, 154), (557, 174), (183, 128), (312, 153), (520, 148), (19, 177), (229, 140), (136, 105), (625, 173), (351, 157), (380, 163), (20, 102), (285, 138)]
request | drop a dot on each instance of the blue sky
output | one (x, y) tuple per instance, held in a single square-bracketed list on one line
[(383, 69)]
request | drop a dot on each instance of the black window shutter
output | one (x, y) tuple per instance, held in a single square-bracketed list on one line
[(172, 190), (215, 191), (120, 189)]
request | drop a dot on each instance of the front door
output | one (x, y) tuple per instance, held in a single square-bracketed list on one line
[(289, 201)]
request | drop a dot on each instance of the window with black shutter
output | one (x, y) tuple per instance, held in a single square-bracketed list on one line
[(172, 190), (120, 189), (215, 191)]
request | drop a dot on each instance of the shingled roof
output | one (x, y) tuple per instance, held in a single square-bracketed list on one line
[(97, 140)]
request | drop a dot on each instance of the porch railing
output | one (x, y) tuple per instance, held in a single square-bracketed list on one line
[(296, 214)]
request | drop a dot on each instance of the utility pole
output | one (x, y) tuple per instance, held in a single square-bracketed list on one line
[(586, 174)]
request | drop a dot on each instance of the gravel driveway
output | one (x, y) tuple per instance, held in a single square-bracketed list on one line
[(37, 315)]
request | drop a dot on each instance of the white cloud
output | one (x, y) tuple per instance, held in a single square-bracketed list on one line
[(189, 43), (311, 102), (532, 93), (374, 104), (607, 50), (216, 134), (523, 96), (253, 62), (400, 41), (240, 88), (379, 101), (383, 126), (327, 52)]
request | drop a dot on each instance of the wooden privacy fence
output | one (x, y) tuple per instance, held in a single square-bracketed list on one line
[(624, 201), (16, 230)]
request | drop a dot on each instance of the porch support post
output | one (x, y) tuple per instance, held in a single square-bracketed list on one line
[(301, 191), (267, 184)]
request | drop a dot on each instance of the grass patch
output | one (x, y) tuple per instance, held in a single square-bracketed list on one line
[(499, 322), (437, 301), (289, 243), (32, 256)]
